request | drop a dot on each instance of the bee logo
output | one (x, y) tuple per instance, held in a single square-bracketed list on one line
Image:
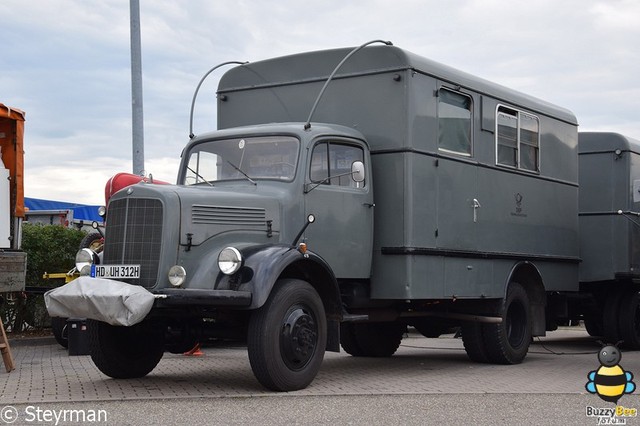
[(610, 381)]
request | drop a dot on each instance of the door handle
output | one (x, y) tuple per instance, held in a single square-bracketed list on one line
[(476, 206)]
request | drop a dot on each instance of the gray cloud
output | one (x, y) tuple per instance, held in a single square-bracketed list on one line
[(66, 63)]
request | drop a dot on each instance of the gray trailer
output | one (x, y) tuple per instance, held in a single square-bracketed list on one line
[(610, 235), (347, 194)]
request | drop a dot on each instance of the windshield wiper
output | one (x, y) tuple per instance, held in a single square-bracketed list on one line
[(241, 172), (198, 175)]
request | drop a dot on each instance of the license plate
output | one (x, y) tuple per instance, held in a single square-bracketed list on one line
[(115, 271)]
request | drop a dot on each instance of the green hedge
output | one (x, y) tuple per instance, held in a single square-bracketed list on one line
[(49, 248)]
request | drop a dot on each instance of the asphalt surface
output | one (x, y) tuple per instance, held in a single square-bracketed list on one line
[(428, 381)]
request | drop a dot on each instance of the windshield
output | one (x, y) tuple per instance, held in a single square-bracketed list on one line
[(264, 157)]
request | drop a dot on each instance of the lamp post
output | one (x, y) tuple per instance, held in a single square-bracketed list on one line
[(136, 90)]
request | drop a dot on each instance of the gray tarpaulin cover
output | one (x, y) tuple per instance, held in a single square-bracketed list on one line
[(100, 299)]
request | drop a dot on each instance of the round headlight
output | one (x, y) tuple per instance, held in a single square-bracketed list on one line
[(229, 260), (177, 275), (85, 257), (102, 211)]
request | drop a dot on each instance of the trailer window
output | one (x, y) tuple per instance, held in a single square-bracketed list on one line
[(517, 140), (454, 122), (331, 164)]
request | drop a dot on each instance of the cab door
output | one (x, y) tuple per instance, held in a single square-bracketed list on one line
[(342, 233)]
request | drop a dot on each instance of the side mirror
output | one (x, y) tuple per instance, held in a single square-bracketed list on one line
[(357, 171)]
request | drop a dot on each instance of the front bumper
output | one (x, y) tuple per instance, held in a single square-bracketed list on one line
[(119, 303), (174, 297), (110, 301)]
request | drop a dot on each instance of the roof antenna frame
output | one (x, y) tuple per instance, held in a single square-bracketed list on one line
[(307, 125), (195, 94)]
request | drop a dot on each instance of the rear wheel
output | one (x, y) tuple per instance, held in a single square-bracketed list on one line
[(593, 325), (348, 339), (125, 352), (610, 320), (474, 341), (287, 337), (629, 319), (508, 342)]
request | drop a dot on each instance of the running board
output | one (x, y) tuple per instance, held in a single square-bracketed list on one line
[(355, 317)]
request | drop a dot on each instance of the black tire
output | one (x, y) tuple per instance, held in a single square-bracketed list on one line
[(59, 329), (508, 342), (474, 341), (593, 325), (348, 339), (93, 241), (610, 320), (125, 352), (375, 339), (629, 319), (287, 337)]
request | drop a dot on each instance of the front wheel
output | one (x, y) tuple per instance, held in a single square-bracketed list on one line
[(59, 329), (125, 352), (287, 337)]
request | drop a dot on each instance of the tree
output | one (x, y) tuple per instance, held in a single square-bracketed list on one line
[(49, 248)]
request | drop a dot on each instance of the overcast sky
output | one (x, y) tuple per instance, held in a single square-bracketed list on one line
[(66, 63)]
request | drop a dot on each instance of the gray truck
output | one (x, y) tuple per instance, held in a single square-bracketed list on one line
[(351, 193)]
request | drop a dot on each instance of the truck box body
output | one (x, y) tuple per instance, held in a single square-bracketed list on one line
[(609, 202), (449, 222)]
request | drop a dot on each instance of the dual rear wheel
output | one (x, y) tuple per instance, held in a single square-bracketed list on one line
[(621, 318), (504, 343)]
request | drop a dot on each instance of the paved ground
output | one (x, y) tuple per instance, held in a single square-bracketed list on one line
[(424, 374)]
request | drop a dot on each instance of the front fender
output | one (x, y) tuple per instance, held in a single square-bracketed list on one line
[(265, 264)]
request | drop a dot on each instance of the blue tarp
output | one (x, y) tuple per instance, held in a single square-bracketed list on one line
[(80, 211)]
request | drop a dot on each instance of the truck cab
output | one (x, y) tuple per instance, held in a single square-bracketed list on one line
[(259, 184), (253, 215)]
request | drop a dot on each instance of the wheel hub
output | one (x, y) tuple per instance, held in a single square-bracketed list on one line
[(298, 338)]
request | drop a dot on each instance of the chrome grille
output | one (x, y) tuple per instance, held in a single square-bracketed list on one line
[(223, 215), (134, 236)]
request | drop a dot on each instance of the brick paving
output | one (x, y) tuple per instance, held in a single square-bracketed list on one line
[(556, 364)]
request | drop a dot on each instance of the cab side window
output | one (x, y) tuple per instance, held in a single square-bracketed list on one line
[(331, 164)]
